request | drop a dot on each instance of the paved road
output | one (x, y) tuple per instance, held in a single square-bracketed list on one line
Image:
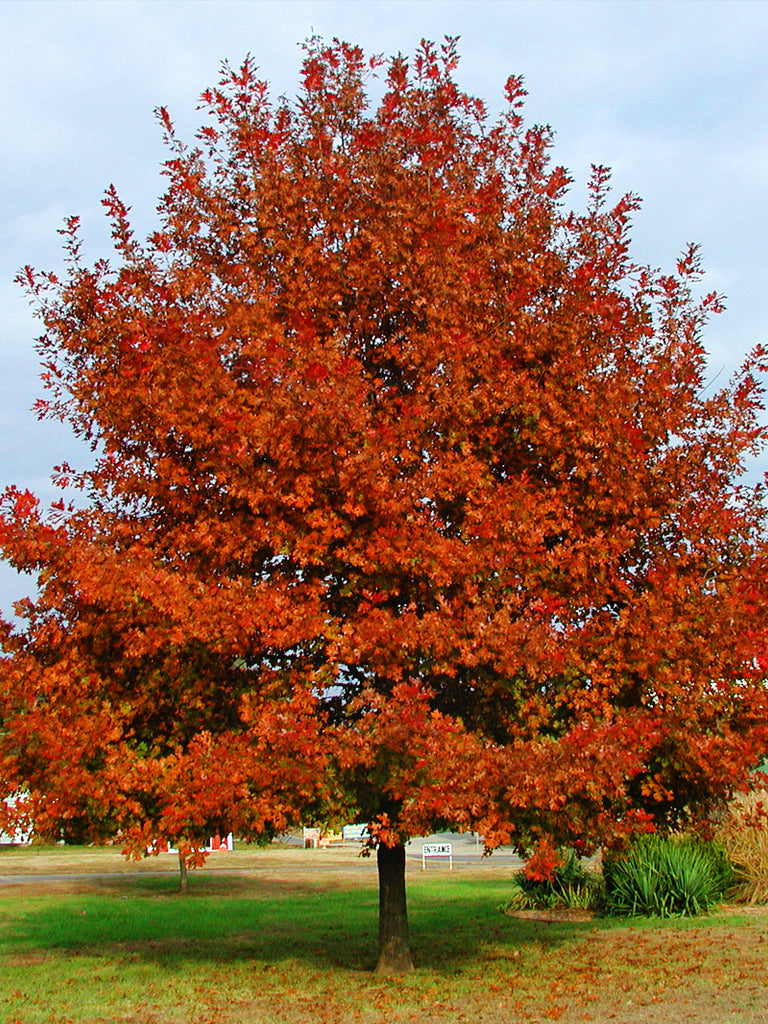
[(466, 850)]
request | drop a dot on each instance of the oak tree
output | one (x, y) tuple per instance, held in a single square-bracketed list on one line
[(408, 502)]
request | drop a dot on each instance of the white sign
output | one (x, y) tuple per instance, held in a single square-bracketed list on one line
[(436, 850), (354, 833), (311, 837)]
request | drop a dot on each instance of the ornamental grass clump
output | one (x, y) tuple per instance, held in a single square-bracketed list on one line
[(572, 886), (743, 834), (666, 877)]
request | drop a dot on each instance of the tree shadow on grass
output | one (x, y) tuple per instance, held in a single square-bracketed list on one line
[(272, 922)]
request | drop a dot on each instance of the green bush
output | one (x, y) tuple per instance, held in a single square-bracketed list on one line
[(666, 877), (572, 887)]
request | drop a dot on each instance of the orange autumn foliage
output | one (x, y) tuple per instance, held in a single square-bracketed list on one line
[(408, 501)]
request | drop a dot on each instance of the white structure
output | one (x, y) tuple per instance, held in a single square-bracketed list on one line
[(215, 844), (17, 837), (311, 837)]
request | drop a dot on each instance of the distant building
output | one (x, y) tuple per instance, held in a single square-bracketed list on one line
[(17, 837)]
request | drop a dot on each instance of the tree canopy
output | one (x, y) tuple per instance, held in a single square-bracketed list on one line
[(409, 501)]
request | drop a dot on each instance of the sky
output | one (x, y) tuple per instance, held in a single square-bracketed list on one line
[(671, 94)]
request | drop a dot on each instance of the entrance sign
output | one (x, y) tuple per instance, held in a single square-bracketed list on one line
[(436, 850)]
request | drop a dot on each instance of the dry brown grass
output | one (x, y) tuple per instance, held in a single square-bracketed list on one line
[(744, 834)]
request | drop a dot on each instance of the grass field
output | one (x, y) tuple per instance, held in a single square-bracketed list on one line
[(291, 937)]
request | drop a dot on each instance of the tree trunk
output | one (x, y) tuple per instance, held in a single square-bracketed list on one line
[(183, 882), (394, 948)]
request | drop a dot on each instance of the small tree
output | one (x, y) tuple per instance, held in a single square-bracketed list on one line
[(408, 504)]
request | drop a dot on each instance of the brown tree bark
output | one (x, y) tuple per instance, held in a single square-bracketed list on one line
[(394, 946), (183, 881)]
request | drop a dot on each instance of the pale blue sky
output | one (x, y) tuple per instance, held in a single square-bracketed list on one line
[(672, 95)]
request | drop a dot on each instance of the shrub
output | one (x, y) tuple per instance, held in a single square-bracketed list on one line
[(743, 833), (571, 887), (666, 877)]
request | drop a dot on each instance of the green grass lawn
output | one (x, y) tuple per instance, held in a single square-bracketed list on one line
[(258, 948)]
